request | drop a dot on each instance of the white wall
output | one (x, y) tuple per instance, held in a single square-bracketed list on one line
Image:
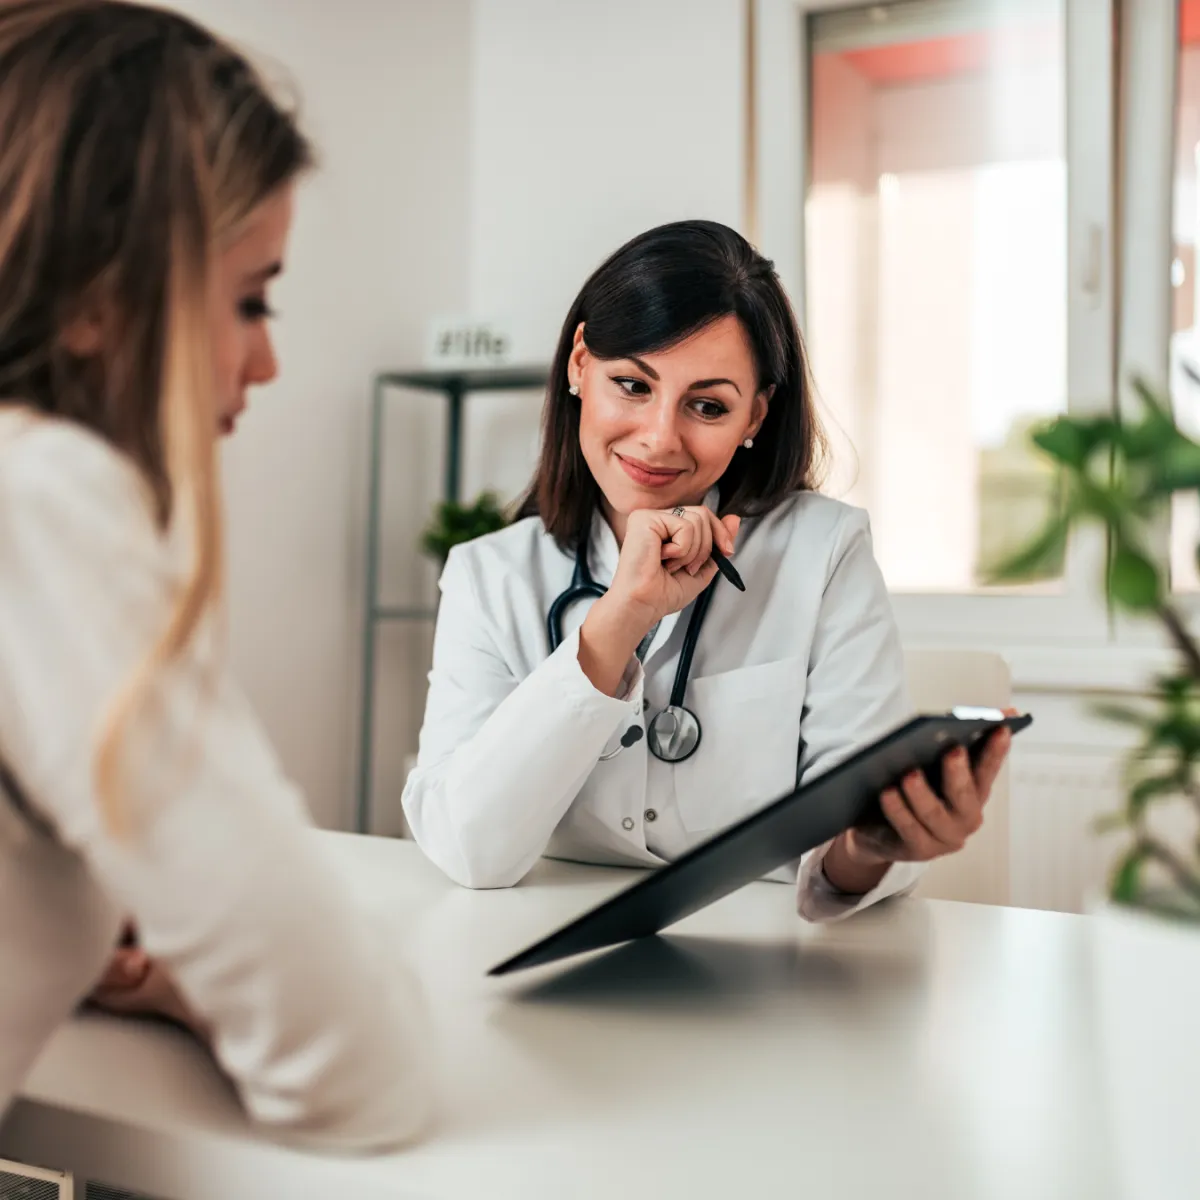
[(379, 247), (590, 123)]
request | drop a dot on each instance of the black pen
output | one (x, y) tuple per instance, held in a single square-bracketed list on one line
[(727, 569)]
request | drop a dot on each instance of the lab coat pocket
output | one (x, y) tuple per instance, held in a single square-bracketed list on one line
[(750, 746)]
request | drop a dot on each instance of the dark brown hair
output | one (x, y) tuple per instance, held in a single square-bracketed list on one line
[(133, 144), (654, 292)]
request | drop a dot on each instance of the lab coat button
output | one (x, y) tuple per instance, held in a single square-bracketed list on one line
[(645, 706), (627, 824), (651, 815)]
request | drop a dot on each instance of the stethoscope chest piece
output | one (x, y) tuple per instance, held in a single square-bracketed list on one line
[(674, 734)]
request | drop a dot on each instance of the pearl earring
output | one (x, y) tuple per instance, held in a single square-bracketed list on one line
[(573, 390), (748, 443)]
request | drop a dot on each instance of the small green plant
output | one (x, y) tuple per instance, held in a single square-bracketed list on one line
[(454, 523), (1120, 474)]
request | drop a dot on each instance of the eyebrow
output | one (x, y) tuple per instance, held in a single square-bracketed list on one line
[(699, 383), (266, 273)]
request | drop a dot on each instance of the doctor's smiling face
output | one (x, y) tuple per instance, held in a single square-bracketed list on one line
[(680, 347), (660, 428)]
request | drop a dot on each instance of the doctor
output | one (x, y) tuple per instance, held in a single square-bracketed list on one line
[(599, 691)]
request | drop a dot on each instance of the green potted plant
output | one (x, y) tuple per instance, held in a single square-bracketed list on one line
[(1120, 474), (454, 523)]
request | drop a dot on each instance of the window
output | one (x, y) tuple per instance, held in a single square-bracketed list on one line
[(935, 179), (936, 222)]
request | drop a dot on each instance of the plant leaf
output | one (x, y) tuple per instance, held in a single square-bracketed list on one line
[(1178, 731), (1041, 557), (1070, 440), (1127, 878), (1178, 467), (1110, 822), (1122, 714), (1149, 398), (1174, 688), (1152, 787), (453, 524), (1133, 579), (1148, 438), (1110, 502)]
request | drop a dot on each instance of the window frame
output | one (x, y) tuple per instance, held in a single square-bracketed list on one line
[(1149, 54)]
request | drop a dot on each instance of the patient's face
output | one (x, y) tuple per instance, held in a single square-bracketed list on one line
[(660, 429), (239, 308)]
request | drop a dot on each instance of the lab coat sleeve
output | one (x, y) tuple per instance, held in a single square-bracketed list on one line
[(501, 758), (855, 694), (322, 1031)]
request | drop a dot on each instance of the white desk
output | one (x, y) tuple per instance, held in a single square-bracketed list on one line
[(929, 1050)]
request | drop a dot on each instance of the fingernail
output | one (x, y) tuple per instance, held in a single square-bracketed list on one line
[(134, 967)]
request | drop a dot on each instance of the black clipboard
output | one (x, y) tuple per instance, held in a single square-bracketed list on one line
[(847, 795)]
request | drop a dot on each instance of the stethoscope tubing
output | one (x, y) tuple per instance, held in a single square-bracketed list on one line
[(584, 587)]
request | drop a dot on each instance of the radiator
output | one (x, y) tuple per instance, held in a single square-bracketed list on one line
[(1057, 859), (18, 1182), (21, 1182)]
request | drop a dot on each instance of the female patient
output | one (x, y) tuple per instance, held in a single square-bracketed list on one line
[(145, 200)]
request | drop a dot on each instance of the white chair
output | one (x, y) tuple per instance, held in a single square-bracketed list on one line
[(938, 680)]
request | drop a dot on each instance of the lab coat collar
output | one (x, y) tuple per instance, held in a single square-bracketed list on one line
[(603, 553)]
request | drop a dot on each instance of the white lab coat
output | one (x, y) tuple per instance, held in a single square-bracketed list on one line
[(789, 677)]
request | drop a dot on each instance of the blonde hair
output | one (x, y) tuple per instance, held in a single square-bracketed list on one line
[(132, 143)]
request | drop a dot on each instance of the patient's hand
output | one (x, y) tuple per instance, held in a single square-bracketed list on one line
[(134, 984)]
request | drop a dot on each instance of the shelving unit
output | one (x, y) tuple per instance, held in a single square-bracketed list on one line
[(454, 386)]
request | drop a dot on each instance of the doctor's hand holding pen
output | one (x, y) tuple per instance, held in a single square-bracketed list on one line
[(666, 561)]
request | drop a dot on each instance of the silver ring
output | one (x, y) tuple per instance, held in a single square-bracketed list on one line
[(677, 511)]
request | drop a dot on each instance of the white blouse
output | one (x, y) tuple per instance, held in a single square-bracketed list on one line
[(322, 1032), (788, 678)]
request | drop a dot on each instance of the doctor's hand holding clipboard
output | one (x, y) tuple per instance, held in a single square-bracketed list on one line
[(602, 690), (921, 824)]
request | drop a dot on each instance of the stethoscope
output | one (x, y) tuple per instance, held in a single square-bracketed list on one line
[(674, 732)]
